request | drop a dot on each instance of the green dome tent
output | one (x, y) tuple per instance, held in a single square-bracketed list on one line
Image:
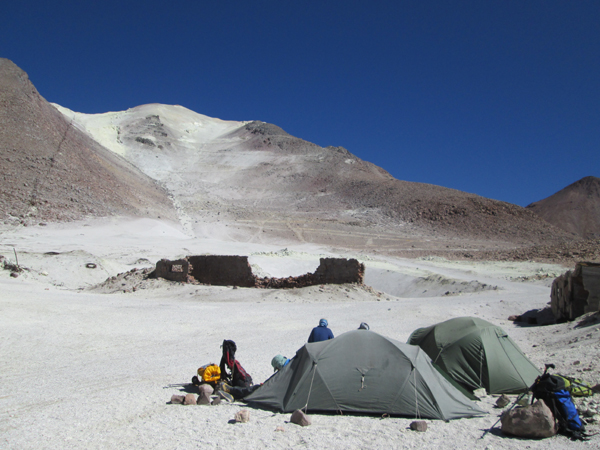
[(475, 354), (362, 371)]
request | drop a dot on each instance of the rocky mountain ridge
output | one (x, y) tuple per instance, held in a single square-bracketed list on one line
[(248, 181)]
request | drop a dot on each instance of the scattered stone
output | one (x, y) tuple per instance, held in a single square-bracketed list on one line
[(190, 399), (299, 418), (480, 393), (419, 425), (279, 428), (502, 401), (14, 275), (513, 318), (533, 421), (216, 401), (204, 397), (525, 400), (576, 363), (177, 399), (205, 390), (242, 416)]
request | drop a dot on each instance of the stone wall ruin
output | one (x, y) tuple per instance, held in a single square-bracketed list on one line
[(576, 292), (219, 270)]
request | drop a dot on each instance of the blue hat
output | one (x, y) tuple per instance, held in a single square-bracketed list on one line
[(278, 362), (323, 323)]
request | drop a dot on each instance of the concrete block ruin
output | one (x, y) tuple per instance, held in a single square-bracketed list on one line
[(576, 292), (236, 271)]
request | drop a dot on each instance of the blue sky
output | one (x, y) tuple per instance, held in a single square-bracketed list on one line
[(497, 98)]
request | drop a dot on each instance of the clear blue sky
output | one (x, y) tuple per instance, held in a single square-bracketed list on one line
[(500, 98)]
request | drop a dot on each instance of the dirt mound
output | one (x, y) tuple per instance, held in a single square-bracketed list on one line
[(575, 209), (51, 171)]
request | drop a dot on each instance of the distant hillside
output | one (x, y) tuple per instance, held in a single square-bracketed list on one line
[(575, 209), (259, 182), (51, 171), (247, 181)]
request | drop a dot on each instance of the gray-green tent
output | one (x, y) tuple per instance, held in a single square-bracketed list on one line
[(362, 371), (476, 353)]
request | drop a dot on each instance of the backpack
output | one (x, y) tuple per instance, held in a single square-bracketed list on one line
[(577, 387), (239, 376), (209, 373), (552, 389)]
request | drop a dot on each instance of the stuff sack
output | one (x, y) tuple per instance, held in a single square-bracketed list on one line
[(209, 373), (552, 390)]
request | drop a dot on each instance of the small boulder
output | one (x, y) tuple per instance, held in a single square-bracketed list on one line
[(242, 416), (502, 401), (299, 418), (205, 392), (190, 399), (533, 421), (280, 428), (216, 401), (206, 388), (177, 399), (418, 425)]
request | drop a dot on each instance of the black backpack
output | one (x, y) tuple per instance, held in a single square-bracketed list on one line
[(238, 376), (551, 389)]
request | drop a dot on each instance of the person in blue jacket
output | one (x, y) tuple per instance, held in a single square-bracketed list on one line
[(320, 333)]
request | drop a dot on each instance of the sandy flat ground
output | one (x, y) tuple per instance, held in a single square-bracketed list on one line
[(84, 368)]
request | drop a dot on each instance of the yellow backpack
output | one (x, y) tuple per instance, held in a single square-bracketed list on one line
[(209, 373)]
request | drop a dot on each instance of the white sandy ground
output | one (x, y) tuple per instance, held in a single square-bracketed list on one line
[(80, 368)]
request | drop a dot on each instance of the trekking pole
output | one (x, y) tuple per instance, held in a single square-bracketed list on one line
[(548, 366), (509, 409)]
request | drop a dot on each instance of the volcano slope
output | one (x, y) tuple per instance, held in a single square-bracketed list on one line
[(52, 171), (261, 184), (253, 180)]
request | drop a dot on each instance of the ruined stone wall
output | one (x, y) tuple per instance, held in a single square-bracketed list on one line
[(172, 270), (236, 271), (222, 270), (330, 271), (339, 271), (576, 292)]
